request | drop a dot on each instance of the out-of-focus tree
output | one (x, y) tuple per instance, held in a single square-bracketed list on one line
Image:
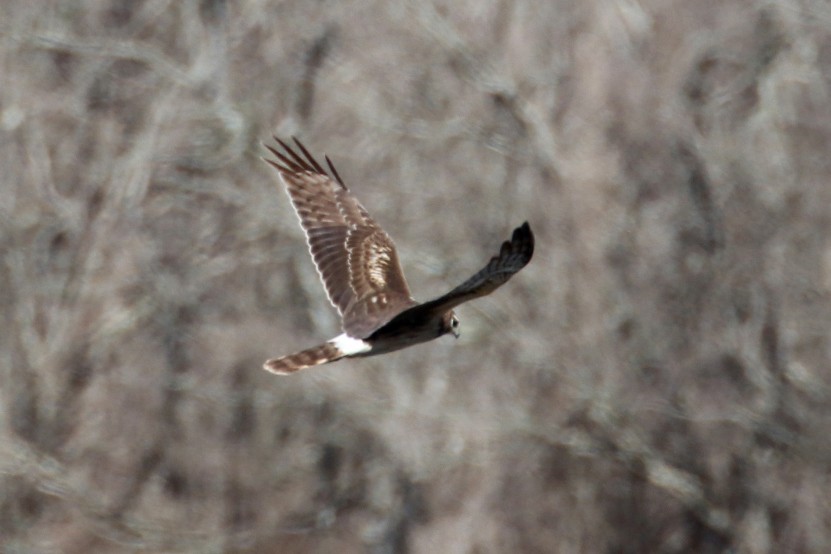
[(655, 381)]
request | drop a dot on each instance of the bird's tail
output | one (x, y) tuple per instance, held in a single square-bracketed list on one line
[(325, 353)]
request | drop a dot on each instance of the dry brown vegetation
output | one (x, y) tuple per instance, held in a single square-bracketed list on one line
[(657, 380)]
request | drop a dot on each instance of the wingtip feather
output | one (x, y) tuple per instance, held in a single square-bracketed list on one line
[(522, 242)]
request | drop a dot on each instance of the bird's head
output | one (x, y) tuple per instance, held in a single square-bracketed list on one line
[(450, 324)]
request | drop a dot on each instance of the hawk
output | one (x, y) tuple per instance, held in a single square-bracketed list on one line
[(359, 267)]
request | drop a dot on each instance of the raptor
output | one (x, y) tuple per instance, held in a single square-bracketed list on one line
[(359, 267)]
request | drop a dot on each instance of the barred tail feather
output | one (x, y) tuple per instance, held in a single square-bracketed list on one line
[(325, 353)]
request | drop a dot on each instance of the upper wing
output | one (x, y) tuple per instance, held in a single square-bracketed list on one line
[(513, 256), (355, 258)]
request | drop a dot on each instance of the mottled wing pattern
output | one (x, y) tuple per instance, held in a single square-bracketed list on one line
[(355, 258), (513, 256), (377, 280)]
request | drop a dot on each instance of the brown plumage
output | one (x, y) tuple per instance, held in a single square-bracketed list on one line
[(359, 267)]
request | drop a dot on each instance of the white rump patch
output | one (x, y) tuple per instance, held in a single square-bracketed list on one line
[(349, 346)]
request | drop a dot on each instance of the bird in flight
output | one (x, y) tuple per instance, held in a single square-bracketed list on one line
[(359, 267)]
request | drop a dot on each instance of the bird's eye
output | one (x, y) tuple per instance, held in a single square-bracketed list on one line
[(454, 322)]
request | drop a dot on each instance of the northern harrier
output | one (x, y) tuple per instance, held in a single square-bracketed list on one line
[(359, 267)]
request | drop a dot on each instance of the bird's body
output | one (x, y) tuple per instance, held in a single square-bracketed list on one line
[(359, 267)]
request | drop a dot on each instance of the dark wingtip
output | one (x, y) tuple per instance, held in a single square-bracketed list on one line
[(523, 240), (293, 161), (281, 143), (334, 172), (283, 164)]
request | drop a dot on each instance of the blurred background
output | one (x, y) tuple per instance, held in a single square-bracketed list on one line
[(656, 380)]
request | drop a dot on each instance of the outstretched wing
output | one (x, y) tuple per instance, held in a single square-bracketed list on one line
[(355, 257), (513, 256)]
